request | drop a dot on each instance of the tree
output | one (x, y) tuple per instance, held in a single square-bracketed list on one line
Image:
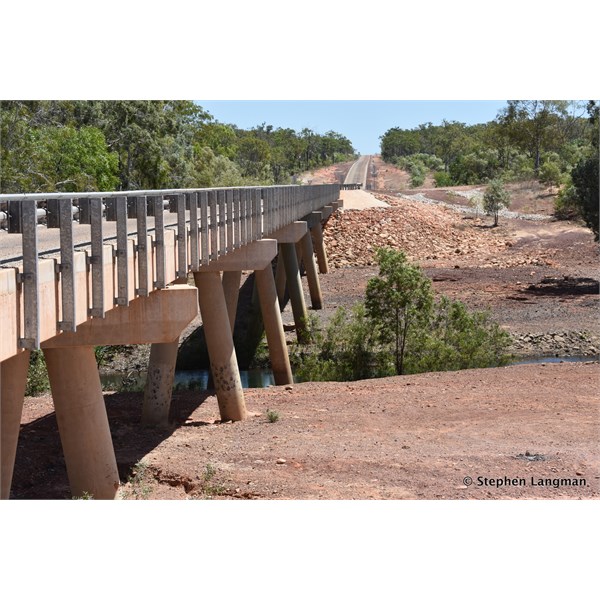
[(534, 125), (585, 176), (495, 198), (398, 299)]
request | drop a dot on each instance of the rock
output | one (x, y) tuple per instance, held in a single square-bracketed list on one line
[(281, 461)]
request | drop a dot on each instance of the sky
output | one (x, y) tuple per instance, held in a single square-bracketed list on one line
[(361, 121)]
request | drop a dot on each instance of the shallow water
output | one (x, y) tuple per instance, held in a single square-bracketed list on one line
[(532, 360), (196, 380)]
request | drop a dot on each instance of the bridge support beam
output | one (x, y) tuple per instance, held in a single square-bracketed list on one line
[(223, 360), (82, 421), (319, 245), (294, 285), (159, 384), (269, 306), (13, 381)]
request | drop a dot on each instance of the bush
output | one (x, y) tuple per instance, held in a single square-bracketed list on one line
[(37, 377), (565, 205), (550, 174), (442, 179)]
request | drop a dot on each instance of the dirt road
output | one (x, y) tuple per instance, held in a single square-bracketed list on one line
[(358, 172)]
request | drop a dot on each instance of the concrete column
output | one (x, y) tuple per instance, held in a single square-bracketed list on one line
[(82, 421), (13, 380), (159, 383), (223, 361), (280, 283), (312, 276), (317, 235), (294, 285), (231, 289), (269, 305), (158, 392)]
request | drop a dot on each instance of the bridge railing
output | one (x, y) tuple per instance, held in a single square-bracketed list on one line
[(146, 238), (351, 186)]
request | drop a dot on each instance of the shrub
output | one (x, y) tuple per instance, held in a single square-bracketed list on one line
[(550, 173), (442, 179), (37, 377), (565, 204)]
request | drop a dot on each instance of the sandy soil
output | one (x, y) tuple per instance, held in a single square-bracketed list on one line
[(416, 436)]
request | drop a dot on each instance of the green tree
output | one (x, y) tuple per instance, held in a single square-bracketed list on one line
[(585, 176), (398, 299), (535, 125), (495, 198)]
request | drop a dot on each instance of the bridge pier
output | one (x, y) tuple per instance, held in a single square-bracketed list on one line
[(231, 289), (269, 306), (308, 257), (13, 381), (287, 252), (280, 283), (82, 421), (159, 383), (319, 245), (223, 361)]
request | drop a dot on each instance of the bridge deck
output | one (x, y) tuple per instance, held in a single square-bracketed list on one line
[(61, 272)]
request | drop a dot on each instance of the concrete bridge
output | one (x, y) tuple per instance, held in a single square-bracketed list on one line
[(89, 269)]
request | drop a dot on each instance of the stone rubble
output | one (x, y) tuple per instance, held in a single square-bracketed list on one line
[(425, 232)]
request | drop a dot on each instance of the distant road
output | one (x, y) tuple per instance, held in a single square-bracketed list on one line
[(358, 171)]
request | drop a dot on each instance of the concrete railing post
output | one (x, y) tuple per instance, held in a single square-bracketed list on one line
[(223, 361), (294, 286), (269, 305), (82, 421), (13, 381)]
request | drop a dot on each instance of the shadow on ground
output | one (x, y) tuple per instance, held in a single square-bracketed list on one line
[(40, 471)]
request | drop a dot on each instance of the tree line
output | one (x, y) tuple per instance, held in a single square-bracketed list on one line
[(553, 141), (75, 146)]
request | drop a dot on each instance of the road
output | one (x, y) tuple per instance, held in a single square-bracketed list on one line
[(358, 171)]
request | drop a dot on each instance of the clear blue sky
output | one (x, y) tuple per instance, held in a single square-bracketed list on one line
[(361, 121)]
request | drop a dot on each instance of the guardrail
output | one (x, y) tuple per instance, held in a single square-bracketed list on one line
[(351, 186), (196, 226)]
